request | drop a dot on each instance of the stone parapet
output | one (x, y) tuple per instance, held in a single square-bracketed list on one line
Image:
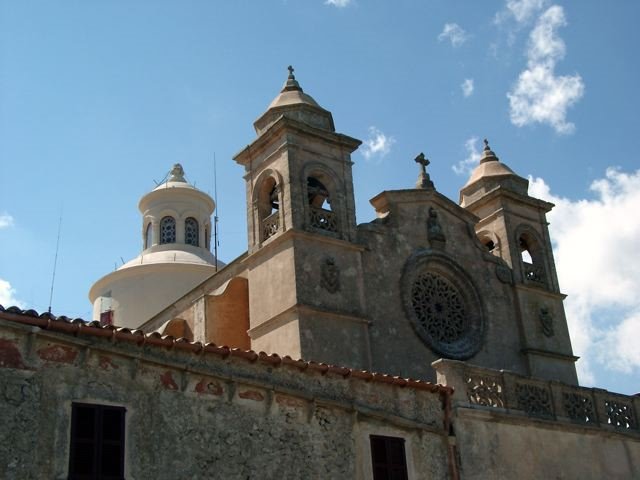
[(513, 394)]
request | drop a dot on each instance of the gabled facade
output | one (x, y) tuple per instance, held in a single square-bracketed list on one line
[(427, 279)]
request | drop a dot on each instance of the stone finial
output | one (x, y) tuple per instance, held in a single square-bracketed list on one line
[(424, 181), (176, 174), (487, 153), (291, 83)]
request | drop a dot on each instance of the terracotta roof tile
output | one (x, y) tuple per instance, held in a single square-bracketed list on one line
[(77, 326)]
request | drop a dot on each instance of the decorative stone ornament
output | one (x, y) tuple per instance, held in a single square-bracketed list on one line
[(546, 321), (424, 180), (504, 274), (442, 305), (435, 234), (330, 275)]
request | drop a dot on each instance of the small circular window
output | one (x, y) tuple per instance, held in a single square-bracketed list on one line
[(444, 309)]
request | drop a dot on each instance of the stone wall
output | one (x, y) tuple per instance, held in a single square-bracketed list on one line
[(510, 426), (197, 412)]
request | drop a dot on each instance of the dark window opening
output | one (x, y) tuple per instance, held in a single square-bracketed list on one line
[(274, 200), (490, 245), (318, 194), (191, 232), (167, 230), (388, 458), (525, 252), (269, 208), (97, 442)]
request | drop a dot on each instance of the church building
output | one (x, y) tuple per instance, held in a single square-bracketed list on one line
[(428, 343)]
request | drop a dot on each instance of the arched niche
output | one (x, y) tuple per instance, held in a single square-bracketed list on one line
[(324, 206), (267, 204), (532, 256)]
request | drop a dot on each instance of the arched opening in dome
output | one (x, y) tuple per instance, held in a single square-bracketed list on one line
[(191, 232), (167, 230)]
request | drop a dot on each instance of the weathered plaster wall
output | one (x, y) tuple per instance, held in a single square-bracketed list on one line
[(503, 447), (203, 416)]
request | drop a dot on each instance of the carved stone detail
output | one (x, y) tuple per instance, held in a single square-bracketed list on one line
[(619, 414), (322, 219), (504, 274), (441, 315), (546, 321), (435, 234), (534, 400), (330, 275), (442, 305), (271, 225), (485, 390), (578, 407)]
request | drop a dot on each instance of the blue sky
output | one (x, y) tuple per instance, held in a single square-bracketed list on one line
[(98, 99)]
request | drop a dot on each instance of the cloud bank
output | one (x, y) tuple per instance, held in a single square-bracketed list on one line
[(338, 3), (597, 259), (466, 165), (8, 295), (377, 145), (467, 87), (454, 33), (6, 220), (539, 95)]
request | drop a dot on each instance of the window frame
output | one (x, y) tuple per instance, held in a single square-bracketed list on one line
[(391, 469), (166, 220), (96, 442)]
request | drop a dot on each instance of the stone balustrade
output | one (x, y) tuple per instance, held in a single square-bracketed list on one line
[(323, 219), (534, 274), (270, 225), (511, 393)]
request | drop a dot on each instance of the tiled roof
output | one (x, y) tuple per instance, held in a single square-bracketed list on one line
[(80, 327)]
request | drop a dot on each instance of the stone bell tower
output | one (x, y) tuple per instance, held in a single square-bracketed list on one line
[(513, 226), (304, 267)]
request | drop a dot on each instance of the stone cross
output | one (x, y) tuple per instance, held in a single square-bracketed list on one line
[(290, 68), (424, 181), (423, 161)]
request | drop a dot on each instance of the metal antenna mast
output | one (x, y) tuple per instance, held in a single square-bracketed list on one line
[(55, 261), (215, 214)]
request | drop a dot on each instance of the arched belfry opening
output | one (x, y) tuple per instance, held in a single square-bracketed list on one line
[(269, 210), (532, 258), (321, 203)]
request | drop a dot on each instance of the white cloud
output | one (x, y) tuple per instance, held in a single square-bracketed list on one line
[(521, 11), (467, 87), (471, 161), (377, 145), (338, 3), (8, 295), (454, 33), (6, 220), (597, 258), (539, 96)]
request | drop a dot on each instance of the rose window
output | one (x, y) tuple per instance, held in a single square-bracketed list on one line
[(439, 308), (443, 306)]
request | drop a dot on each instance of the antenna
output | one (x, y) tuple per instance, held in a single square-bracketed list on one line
[(55, 261), (215, 215)]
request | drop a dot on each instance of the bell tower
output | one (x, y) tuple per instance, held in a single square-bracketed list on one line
[(305, 291), (513, 226)]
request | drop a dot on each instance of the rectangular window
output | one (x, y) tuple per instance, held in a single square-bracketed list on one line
[(97, 442), (388, 458)]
